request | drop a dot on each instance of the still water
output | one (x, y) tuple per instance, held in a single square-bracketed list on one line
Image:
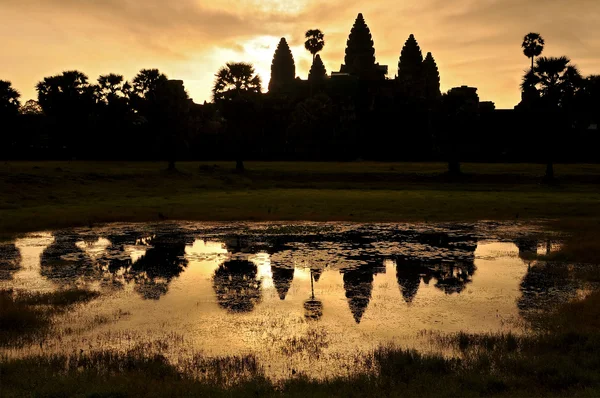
[(303, 297)]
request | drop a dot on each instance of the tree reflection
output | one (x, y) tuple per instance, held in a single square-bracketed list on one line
[(163, 261), (10, 260), (282, 279), (64, 263), (453, 277), (313, 308), (544, 287), (236, 286), (527, 248), (451, 274)]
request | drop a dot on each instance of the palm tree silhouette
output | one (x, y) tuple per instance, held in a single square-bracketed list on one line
[(235, 90), (558, 82), (147, 80), (9, 98), (533, 45), (315, 41), (236, 79)]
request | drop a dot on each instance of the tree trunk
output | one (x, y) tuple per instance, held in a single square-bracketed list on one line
[(239, 166), (549, 171), (454, 168), (532, 58)]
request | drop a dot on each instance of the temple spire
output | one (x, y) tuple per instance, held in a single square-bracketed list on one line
[(283, 68)]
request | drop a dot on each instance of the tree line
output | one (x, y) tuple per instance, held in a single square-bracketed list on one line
[(354, 114)]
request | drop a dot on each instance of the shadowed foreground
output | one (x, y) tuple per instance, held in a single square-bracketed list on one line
[(38, 195), (557, 362)]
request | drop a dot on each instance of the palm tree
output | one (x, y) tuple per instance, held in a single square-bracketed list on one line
[(147, 80), (236, 79), (235, 90), (112, 87), (558, 79), (315, 41), (558, 82), (533, 45), (9, 99)]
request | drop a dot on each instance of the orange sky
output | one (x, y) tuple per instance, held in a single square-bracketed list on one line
[(475, 42)]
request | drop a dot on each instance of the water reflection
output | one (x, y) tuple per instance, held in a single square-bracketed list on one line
[(147, 260), (65, 263), (231, 288), (282, 279), (313, 308), (163, 261), (236, 286), (10, 260)]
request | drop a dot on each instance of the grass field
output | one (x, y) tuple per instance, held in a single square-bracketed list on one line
[(38, 195), (561, 360)]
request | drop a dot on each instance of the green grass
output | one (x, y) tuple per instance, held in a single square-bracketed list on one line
[(39, 195)]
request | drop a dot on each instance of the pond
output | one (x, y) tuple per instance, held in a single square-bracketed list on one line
[(301, 297)]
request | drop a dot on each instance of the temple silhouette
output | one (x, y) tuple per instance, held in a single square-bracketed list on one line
[(417, 77)]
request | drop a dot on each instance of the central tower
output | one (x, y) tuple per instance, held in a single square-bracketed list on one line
[(360, 53)]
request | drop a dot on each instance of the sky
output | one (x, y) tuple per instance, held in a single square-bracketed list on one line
[(475, 42)]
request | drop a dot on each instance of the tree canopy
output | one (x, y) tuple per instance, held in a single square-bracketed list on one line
[(9, 99), (315, 41), (236, 79), (533, 45)]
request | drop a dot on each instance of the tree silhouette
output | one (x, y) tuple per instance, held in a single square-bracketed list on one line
[(236, 90), (31, 107), (410, 67), (9, 110), (112, 87), (317, 73), (146, 81), (172, 106), (283, 68), (360, 50), (533, 45), (69, 92), (315, 42), (431, 77), (69, 100), (558, 82), (234, 80), (9, 100)]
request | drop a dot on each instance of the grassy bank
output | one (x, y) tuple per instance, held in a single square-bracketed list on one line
[(38, 195)]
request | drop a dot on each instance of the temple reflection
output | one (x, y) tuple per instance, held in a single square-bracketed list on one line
[(282, 279), (358, 284)]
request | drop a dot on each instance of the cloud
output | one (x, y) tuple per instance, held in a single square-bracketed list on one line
[(475, 42)]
